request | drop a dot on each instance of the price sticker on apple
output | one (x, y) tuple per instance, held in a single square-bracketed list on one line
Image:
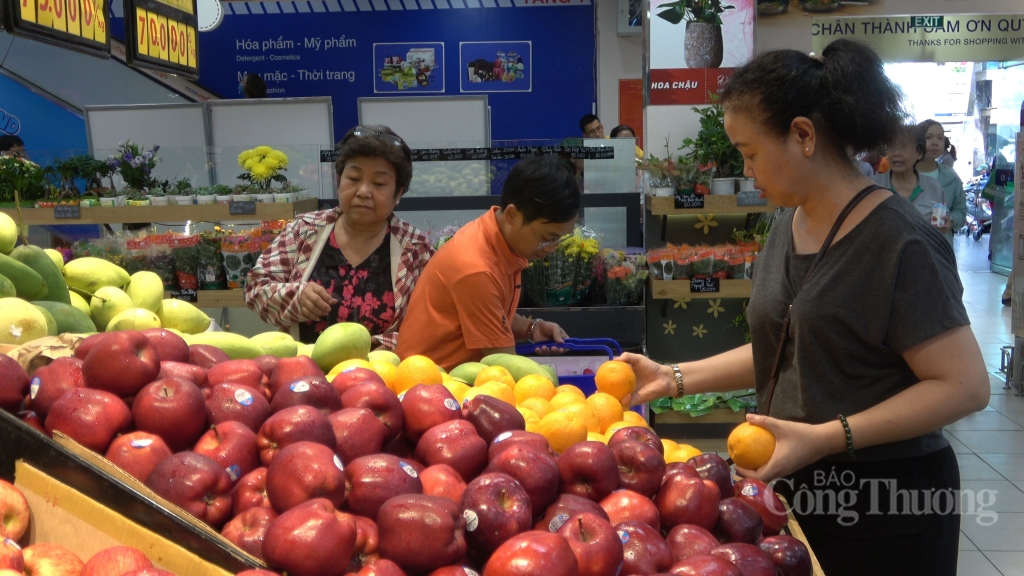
[(12, 543), (299, 387), (451, 404), (337, 462), (243, 397), (142, 442), (33, 388), (408, 469), (472, 521), (624, 536), (557, 522), (400, 396), (503, 436), (234, 472), (749, 490), (470, 572)]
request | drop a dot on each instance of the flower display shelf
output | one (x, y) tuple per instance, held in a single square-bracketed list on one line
[(676, 289), (666, 206), (137, 214)]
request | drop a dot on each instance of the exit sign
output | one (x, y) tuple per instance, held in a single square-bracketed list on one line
[(927, 21)]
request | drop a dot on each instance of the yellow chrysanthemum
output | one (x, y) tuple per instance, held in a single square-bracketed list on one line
[(250, 163), (281, 157), (243, 157), (270, 163), (262, 150), (260, 172)]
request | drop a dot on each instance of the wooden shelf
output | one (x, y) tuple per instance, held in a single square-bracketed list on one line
[(218, 298), (666, 206), (138, 214), (716, 416), (675, 289)]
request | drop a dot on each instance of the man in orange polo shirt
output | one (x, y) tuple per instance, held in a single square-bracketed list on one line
[(464, 305)]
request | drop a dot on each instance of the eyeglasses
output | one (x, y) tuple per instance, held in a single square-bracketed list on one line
[(546, 245), (363, 131)]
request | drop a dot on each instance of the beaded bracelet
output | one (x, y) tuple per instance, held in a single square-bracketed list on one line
[(849, 437)]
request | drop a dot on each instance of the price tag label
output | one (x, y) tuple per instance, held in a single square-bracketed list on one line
[(705, 285), (73, 212), (328, 156), (242, 208), (750, 198), (185, 295), (689, 201)]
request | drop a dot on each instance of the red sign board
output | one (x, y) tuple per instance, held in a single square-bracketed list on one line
[(687, 85)]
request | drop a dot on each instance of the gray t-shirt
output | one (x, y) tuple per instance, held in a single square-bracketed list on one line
[(888, 285)]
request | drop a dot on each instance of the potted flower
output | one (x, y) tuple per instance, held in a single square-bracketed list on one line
[(108, 197), (241, 193), (134, 165), (182, 192), (663, 173), (712, 146), (205, 195), (263, 165), (694, 177), (20, 180), (136, 197), (157, 197), (222, 193), (703, 45), (289, 193)]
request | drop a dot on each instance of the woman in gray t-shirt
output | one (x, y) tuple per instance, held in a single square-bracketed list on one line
[(879, 334)]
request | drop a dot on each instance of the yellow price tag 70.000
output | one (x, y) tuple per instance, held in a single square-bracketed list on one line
[(74, 14), (142, 23), (28, 10)]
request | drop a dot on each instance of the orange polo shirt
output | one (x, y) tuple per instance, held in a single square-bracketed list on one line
[(465, 298)]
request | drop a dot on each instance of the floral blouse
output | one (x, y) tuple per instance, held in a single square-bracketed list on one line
[(364, 293)]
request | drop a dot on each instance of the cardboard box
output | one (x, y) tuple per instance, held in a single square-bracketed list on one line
[(65, 516)]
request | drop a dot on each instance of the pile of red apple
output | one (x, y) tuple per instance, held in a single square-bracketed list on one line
[(323, 478)]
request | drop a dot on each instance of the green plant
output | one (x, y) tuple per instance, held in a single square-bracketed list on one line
[(135, 165), (712, 144), (697, 405), (706, 11), (221, 190), (22, 176)]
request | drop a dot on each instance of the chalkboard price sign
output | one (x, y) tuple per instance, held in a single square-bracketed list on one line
[(750, 198), (242, 208), (705, 285), (185, 295), (66, 212), (689, 201)]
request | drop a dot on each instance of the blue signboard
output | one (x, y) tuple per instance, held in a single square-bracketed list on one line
[(408, 68), (496, 66)]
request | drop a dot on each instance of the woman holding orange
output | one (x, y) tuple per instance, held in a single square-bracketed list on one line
[(861, 349)]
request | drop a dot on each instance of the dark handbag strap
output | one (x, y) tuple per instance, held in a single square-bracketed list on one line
[(784, 336)]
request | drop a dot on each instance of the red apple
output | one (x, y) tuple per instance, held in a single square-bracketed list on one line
[(399, 446), (380, 567), (206, 356), (535, 470), (564, 507), (197, 484), (14, 512), (738, 522), (291, 425), (233, 446), (421, 533), (304, 471), (357, 433), (495, 508), (637, 434), (443, 480), (248, 529), (765, 501), (116, 561), (705, 565), (31, 419), (172, 409), (687, 540), (371, 481), (189, 372), (83, 348), (251, 491), (257, 573), (531, 554), (589, 469), (290, 370), (90, 417), (508, 439), (308, 540), (644, 551), (238, 403), (267, 365), (641, 467), (50, 382), (454, 443), (492, 417), (122, 363), (747, 557), (381, 401), (14, 384), (685, 500), (315, 392), (628, 506), (426, 406), (11, 557), (682, 468), (712, 467), (170, 346), (244, 372), (596, 544), (454, 571), (367, 541), (137, 453), (353, 377), (790, 556), (147, 572), (52, 560)]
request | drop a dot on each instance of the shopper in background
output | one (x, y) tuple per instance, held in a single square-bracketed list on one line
[(465, 305), (956, 202), (11, 145), (877, 160), (878, 333), (354, 263), (949, 158), (903, 178), (252, 86), (624, 131), (591, 127)]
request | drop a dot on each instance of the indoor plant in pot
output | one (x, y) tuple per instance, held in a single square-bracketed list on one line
[(712, 146), (182, 192), (263, 165), (704, 46), (136, 197), (135, 166), (205, 195)]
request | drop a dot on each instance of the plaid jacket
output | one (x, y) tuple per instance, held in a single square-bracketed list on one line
[(276, 280)]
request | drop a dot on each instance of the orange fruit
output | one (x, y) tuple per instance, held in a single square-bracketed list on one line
[(750, 446), (586, 414), (634, 419), (562, 430), (533, 386), (531, 417), (615, 426), (565, 399), (681, 454), (670, 446), (495, 374), (343, 366), (607, 408), (595, 437), (615, 378), (498, 390), (539, 405), (565, 388), (457, 388), (416, 370), (386, 371)]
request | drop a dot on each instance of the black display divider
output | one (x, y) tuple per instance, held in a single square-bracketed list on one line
[(18, 441)]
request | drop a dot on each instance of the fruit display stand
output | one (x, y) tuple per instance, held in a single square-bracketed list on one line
[(96, 487), (140, 214), (793, 529), (717, 424)]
